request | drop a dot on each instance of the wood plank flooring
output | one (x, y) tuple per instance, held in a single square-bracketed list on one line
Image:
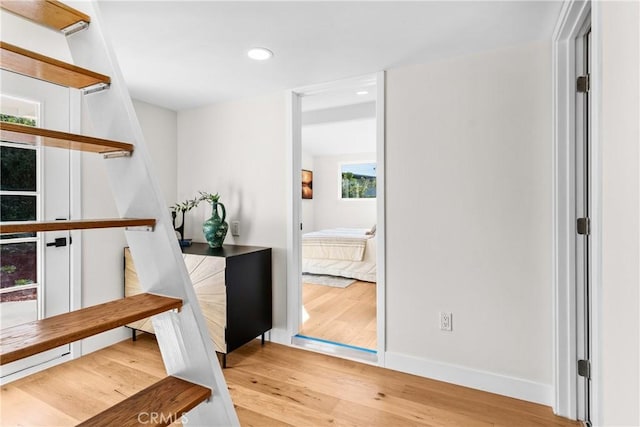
[(272, 385), (346, 315)]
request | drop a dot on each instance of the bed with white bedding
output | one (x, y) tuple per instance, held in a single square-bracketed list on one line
[(346, 252)]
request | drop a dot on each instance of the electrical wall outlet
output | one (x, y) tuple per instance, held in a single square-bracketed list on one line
[(235, 228), (446, 321)]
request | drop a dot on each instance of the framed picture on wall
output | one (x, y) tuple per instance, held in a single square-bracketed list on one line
[(307, 184)]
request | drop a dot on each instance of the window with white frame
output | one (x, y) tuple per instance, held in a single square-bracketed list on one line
[(358, 180)]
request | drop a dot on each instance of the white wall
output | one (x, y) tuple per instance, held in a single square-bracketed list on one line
[(619, 140), (469, 217), (308, 211), (238, 149), (160, 129), (330, 210)]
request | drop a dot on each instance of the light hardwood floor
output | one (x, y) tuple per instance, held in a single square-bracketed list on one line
[(272, 385), (346, 315)]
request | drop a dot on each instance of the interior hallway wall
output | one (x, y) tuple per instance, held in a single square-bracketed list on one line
[(238, 149), (469, 220)]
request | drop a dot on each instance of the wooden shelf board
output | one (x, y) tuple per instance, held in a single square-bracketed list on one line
[(168, 399), (50, 13), (12, 132), (32, 64), (82, 224), (20, 341)]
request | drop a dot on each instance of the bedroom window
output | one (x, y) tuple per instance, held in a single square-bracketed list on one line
[(358, 180)]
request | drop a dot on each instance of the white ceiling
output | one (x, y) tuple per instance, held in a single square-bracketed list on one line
[(181, 54)]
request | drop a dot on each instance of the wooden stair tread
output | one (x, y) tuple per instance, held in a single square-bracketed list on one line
[(20, 341), (22, 134), (50, 13), (168, 399), (32, 64), (73, 224)]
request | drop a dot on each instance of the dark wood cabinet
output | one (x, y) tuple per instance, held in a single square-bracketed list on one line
[(234, 289)]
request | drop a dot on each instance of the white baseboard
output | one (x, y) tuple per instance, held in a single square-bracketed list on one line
[(34, 369), (481, 380), (279, 336)]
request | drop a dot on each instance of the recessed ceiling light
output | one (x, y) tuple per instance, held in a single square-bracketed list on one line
[(362, 92), (259, 53)]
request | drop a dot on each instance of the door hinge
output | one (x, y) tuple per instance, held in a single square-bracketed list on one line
[(584, 368), (583, 226), (582, 84)]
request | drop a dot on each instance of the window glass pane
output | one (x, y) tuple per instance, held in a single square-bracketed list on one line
[(14, 119), (18, 307), (18, 264), (18, 261), (359, 181), (18, 169), (17, 208)]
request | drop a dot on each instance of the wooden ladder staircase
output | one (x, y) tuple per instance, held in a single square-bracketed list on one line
[(195, 382)]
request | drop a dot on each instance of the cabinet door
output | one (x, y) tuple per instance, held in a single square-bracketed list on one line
[(249, 301), (208, 276)]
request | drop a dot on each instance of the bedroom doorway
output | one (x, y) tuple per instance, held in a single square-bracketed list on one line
[(337, 205)]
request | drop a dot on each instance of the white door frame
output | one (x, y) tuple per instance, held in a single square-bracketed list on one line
[(75, 211), (568, 29), (294, 274)]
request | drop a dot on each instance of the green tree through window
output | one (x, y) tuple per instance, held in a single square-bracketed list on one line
[(359, 181)]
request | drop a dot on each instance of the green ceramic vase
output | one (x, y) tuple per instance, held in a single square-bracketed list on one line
[(215, 228)]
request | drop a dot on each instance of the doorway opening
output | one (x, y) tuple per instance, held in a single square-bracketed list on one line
[(337, 258)]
